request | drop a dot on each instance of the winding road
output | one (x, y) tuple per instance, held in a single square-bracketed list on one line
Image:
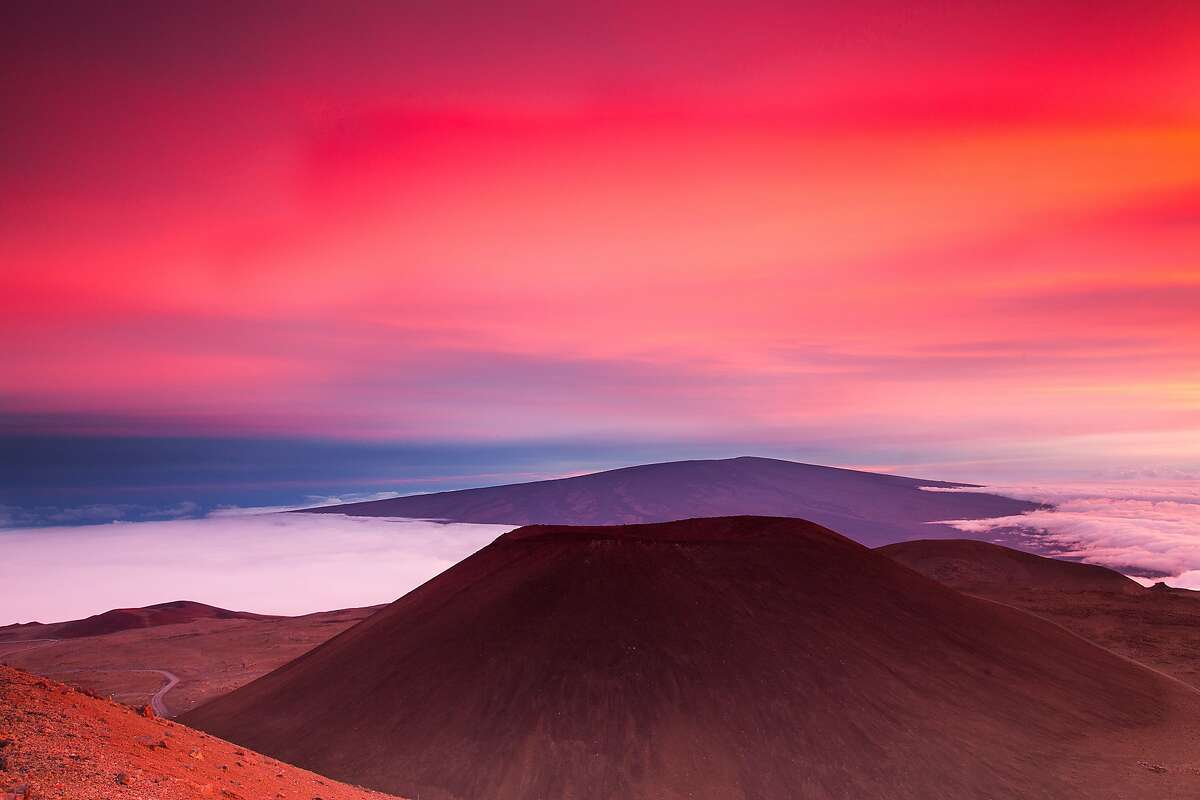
[(156, 699)]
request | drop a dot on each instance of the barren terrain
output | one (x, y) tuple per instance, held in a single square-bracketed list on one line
[(210, 656), (1159, 628), (56, 742), (715, 658)]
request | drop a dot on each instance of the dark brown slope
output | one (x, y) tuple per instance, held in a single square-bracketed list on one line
[(986, 568), (870, 507), (1159, 628), (122, 619), (715, 658)]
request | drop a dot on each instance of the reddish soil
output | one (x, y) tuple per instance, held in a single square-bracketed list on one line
[(210, 656), (56, 742), (739, 657), (1155, 627)]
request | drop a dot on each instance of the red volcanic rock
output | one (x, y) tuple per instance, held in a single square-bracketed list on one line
[(740, 657), (63, 745), (121, 619)]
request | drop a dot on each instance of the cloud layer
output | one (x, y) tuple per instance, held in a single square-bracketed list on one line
[(267, 563), (254, 560), (1143, 529)]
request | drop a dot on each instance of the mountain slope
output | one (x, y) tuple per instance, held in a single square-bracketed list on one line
[(870, 507), (738, 657), (56, 742), (1158, 628), (991, 569), (209, 656)]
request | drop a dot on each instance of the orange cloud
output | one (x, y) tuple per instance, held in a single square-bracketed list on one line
[(760, 226)]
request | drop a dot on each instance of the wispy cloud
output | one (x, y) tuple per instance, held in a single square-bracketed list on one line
[(311, 501), (94, 513), (101, 513), (1148, 529), (268, 563)]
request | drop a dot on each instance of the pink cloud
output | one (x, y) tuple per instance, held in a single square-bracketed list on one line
[(248, 562), (1147, 528), (612, 220)]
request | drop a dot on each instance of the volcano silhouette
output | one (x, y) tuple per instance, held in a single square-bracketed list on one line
[(737, 657), (870, 507)]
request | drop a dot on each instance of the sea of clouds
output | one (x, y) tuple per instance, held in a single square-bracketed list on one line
[(1146, 530), (239, 559), (263, 561)]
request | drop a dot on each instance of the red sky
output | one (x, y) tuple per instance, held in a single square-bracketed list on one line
[(954, 226)]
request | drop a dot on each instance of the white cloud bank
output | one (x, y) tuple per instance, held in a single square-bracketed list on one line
[(256, 560), (1139, 527), (267, 563)]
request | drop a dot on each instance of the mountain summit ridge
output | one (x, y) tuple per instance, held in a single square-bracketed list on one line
[(870, 507)]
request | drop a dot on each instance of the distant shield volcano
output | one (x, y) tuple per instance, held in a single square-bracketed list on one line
[(872, 508), (741, 657)]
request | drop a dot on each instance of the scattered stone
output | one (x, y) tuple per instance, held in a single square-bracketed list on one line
[(196, 754), (122, 779), (1152, 767)]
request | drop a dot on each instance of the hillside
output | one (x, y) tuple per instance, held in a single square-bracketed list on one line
[(56, 742), (986, 568), (122, 619), (209, 656), (1159, 627), (713, 658)]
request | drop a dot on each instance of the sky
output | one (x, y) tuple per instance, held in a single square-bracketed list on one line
[(956, 240)]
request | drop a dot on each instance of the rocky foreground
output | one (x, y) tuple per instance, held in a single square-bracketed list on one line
[(58, 742)]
